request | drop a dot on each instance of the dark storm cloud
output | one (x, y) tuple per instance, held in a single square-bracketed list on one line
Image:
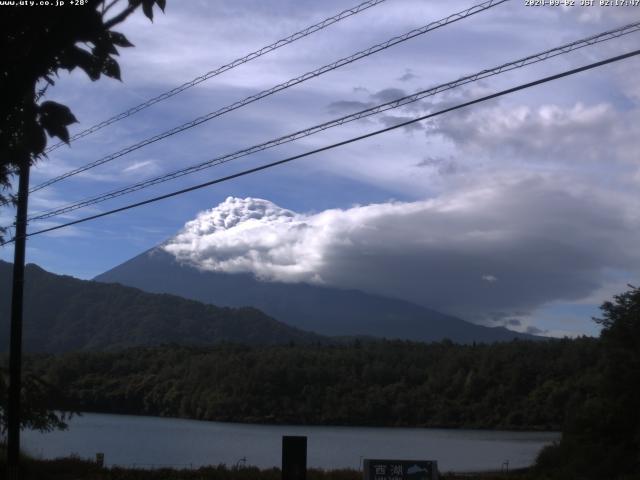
[(388, 94), (408, 75), (540, 241), (443, 165), (347, 106), (535, 330)]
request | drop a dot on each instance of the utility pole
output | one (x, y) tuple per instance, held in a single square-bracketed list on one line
[(15, 345)]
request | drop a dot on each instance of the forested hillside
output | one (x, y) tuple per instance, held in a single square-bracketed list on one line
[(64, 314), (519, 385)]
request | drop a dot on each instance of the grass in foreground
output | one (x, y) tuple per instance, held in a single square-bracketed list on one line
[(75, 468), (72, 468)]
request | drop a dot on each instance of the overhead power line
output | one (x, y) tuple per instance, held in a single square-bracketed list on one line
[(339, 144), (282, 86), (529, 60), (213, 73)]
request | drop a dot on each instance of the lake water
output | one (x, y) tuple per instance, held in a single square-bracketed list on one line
[(153, 442)]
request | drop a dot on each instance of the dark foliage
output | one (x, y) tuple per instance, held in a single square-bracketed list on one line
[(517, 385), (36, 44), (63, 313), (601, 438), (37, 395)]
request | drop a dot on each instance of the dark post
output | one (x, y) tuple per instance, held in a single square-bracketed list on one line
[(294, 458), (15, 346)]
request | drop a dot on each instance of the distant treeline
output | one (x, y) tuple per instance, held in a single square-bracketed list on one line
[(517, 385)]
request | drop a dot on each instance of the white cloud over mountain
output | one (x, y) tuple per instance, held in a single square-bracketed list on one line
[(544, 242)]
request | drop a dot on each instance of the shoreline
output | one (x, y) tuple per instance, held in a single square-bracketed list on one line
[(248, 422)]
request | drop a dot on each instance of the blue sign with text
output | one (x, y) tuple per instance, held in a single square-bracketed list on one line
[(400, 469)]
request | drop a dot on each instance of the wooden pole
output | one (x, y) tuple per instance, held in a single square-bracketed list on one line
[(15, 345)]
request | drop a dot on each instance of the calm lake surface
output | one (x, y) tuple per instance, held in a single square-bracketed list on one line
[(153, 442)]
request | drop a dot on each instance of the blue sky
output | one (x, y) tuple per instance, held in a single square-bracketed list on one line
[(519, 212)]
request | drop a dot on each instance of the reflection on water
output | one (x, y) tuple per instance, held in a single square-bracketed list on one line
[(149, 441)]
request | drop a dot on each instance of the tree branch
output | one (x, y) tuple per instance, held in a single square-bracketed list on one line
[(106, 8), (121, 16)]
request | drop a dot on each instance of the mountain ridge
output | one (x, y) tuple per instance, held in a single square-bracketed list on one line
[(319, 309), (63, 313)]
